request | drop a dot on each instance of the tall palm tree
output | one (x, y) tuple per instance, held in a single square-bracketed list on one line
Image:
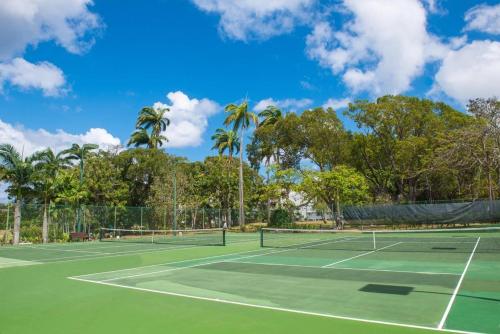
[(47, 164), (227, 141), (271, 115), (80, 153), (153, 119), (17, 172), (241, 119)]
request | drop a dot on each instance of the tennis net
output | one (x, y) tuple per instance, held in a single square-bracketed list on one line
[(202, 237), (485, 239)]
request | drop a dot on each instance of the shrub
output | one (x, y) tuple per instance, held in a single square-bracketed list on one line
[(280, 218), (31, 234)]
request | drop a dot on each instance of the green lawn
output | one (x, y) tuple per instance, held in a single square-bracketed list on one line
[(40, 298)]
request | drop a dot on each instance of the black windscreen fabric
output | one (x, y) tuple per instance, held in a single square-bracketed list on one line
[(435, 213)]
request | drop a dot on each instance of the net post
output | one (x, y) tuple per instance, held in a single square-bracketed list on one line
[(223, 237), (153, 237), (261, 237), (374, 241)]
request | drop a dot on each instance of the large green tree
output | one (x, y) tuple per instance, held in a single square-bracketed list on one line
[(396, 143), (17, 171), (240, 118), (339, 186), (326, 142)]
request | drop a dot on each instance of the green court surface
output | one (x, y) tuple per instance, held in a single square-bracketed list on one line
[(405, 285)]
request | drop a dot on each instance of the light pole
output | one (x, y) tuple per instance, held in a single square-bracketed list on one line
[(174, 223)]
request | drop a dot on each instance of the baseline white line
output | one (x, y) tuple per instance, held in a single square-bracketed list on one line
[(354, 269), (359, 255), (457, 288), (117, 254), (65, 250), (114, 254), (224, 301)]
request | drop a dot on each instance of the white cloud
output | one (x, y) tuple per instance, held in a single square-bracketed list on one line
[(470, 72), (25, 75), (29, 22), (188, 119), (24, 23), (29, 140), (483, 18), (288, 104), (257, 19), (381, 49), (336, 104)]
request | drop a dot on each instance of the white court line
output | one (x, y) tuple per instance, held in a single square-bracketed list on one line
[(224, 301), (114, 254), (360, 255), (452, 300), (81, 246), (167, 263), (65, 250), (187, 267), (354, 269), (206, 263)]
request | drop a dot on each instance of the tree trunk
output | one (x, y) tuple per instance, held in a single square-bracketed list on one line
[(491, 194), (45, 226), (242, 210), (269, 199), (17, 221)]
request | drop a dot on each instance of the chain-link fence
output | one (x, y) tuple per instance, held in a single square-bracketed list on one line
[(62, 220)]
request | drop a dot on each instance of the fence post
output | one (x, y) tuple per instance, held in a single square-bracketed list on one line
[(6, 225), (164, 218), (203, 218), (141, 218)]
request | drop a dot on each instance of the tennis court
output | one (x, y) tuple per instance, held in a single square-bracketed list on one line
[(122, 243), (442, 280)]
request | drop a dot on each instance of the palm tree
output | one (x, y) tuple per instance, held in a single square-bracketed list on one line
[(240, 118), (80, 153), (140, 137), (17, 172), (47, 165), (271, 116), (227, 140), (154, 119)]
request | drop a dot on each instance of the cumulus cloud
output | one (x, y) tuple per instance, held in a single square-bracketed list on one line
[(336, 104), (470, 72), (29, 140), (483, 18), (257, 19), (25, 75), (188, 119), (381, 49), (288, 104), (23, 23), (29, 22)]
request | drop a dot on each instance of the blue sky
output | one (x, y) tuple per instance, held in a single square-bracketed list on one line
[(79, 71)]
